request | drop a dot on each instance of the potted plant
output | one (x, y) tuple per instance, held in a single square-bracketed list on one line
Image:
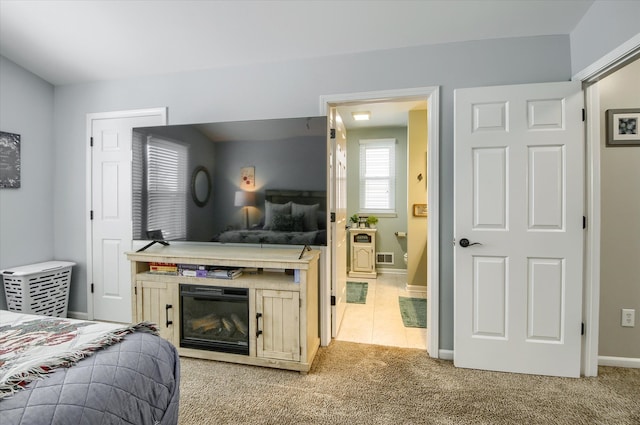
[(354, 220), (372, 220)]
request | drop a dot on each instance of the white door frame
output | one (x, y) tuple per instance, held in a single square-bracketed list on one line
[(432, 96), (162, 112), (591, 293)]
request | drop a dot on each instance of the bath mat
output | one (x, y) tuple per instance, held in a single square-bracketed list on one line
[(414, 312), (357, 292)]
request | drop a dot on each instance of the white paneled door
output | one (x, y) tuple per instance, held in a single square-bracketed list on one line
[(519, 160), (109, 272), (339, 226)]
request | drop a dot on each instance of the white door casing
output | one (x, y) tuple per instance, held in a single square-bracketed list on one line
[(109, 197), (339, 207), (432, 96), (519, 176)]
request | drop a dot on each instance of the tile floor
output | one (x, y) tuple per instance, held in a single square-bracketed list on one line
[(379, 321)]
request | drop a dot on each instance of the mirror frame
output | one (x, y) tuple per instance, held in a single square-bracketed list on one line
[(194, 176)]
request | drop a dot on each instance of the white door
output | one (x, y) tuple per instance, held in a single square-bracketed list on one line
[(518, 161), (339, 227), (110, 236)]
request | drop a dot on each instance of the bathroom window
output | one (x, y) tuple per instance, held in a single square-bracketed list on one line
[(377, 176)]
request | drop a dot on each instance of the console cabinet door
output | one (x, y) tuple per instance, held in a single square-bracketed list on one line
[(278, 320), (158, 302)]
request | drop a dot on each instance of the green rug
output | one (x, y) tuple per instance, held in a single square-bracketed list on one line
[(414, 312), (357, 292)]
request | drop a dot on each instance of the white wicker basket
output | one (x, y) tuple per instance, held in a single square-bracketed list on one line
[(41, 288)]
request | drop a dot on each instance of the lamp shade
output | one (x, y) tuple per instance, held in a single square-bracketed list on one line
[(244, 199)]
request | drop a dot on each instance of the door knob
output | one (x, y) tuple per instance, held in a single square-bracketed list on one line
[(464, 242)]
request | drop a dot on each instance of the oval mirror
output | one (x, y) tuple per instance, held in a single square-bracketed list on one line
[(200, 186)]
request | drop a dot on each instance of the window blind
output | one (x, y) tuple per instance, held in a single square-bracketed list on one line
[(167, 187), (377, 175)]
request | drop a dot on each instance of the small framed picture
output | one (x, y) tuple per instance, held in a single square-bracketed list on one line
[(419, 210), (622, 127)]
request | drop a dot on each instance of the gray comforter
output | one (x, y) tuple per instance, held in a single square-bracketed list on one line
[(136, 381)]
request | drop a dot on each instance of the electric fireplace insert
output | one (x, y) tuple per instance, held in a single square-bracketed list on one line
[(214, 318)]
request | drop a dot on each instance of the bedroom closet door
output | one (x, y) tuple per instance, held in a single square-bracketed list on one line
[(110, 232), (519, 178)]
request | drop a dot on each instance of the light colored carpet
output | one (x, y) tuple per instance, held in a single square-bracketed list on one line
[(354, 384)]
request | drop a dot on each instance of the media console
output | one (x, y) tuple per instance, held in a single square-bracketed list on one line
[(280, 316)]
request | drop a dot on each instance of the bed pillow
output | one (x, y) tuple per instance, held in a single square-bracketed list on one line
[(287, 223), (309, 213), (270, 211)]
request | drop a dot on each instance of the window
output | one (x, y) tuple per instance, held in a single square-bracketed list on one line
[(165, 187), (378, 175)]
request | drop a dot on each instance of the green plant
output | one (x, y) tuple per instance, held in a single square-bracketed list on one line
[(372, 219), (354, 218)]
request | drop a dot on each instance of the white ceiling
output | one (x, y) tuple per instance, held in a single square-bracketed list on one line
[(67, 42)]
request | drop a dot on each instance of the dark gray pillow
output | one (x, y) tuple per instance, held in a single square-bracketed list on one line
[(270, 211), (309, 213), (287, 222)]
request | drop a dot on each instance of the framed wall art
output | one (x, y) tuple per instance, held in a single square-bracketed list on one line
[(247, 177), (9, 160), (419, 210), (622, 127)]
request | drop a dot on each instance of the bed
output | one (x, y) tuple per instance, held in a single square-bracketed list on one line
[(290, 217), (66, 371)]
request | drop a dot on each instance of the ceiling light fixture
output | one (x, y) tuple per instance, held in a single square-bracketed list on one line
[(361, 116)]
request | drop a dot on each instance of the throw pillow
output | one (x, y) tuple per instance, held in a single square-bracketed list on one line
[(309, 213)]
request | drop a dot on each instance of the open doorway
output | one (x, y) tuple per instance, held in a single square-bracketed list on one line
[(379, 320)]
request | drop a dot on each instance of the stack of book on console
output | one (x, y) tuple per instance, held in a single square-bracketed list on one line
[(214, 272), (163, 268), (223, 273), (192, 270)]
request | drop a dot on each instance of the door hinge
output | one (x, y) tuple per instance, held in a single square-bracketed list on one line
[(332, 133), (300, 302), (584, 222), (584, 115), (300, 350), (135, 290), (333, 217), (333, 300), (92, 288), (583, 329), (91, 141), (91, 215)]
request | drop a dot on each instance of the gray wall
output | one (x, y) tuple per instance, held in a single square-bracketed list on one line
[(292, 89), (386, 241), (606, 25), (26, 213)]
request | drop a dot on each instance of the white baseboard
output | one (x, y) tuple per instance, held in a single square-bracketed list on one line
[(77, 315), (619, 361), (416, 288), (381, 270), (445, 354)]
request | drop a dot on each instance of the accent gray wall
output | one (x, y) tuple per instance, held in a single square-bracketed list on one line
[(26, 213), (606, 25), (292, 89), (620, 228)]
